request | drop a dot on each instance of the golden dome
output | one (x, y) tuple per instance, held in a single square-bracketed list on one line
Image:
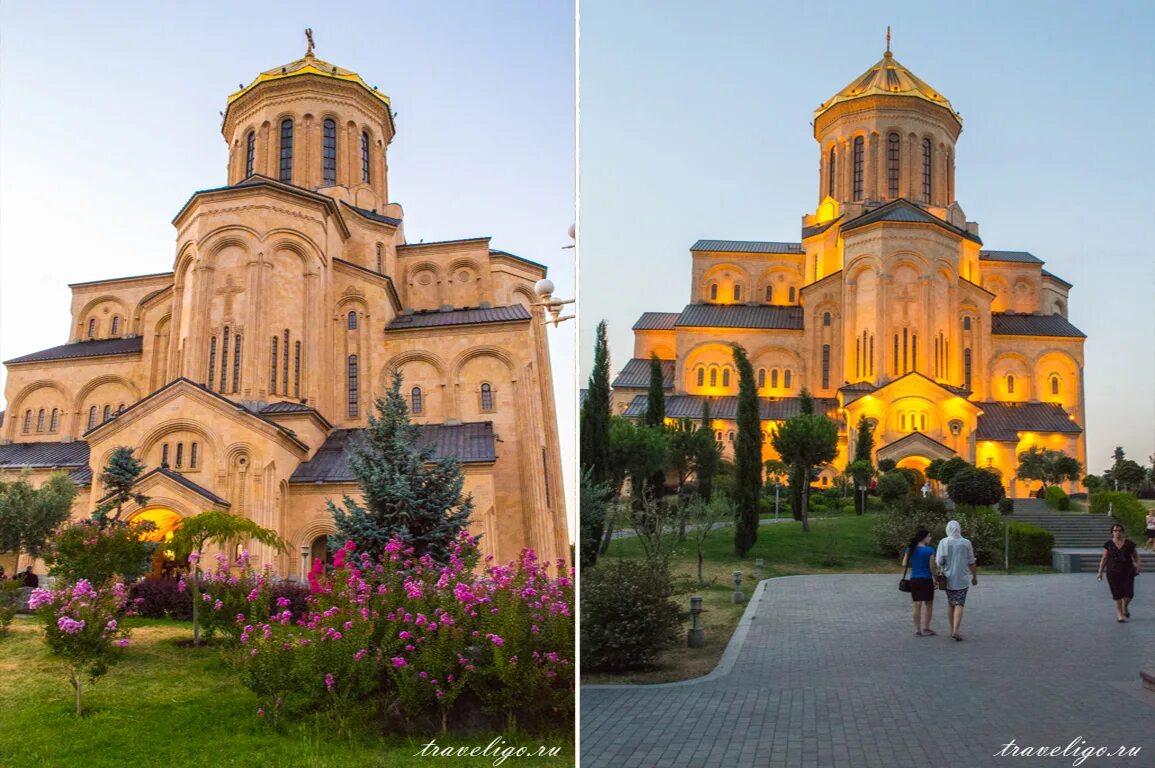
[(308, 65), (888, 78)]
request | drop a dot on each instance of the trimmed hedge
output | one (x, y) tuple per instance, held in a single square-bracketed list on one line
[(896, 525), (1126, 509), (162, 598), (1030, 544), (1057, 498), (628, 614)]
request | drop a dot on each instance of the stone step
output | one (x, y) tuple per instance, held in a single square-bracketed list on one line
[(1086, 560)]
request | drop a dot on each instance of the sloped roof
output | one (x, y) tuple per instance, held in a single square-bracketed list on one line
[(888, 78), (818, 229), (636, 373), (286, 407), (656, 321), (373, 215), (472, 316), (740, 316), (1003, 421), (470, 443), (905, 212), (79, 349), (308, 64), (914, 437), (1016, 257), (180, 479), (1011, 324), (726, 407), (1056, 278), (746, 246), (73, 454)]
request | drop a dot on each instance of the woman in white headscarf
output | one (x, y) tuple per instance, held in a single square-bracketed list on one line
[(956, 561)]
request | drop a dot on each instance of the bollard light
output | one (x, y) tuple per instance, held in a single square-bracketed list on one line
[(697, 636), (304, 561), (758, 569), (738, 597)]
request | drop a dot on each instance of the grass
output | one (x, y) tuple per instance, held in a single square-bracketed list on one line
[(841, 544), (164, 705)]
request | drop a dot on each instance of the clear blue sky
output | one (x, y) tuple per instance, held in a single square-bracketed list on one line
[(695, 123), (109, 120)]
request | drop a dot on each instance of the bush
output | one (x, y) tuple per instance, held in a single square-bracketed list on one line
[(874, 504), (1030, 544), (85, 550), (1006, 506), (1057, 498), (628, 615), (161, 599), (896, 525), (887, 465), (892, 486), (9, 602), (979, 487), (1126, 509)]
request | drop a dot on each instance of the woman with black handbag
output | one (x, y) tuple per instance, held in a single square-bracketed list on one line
[(1121, 562), (919, 556)]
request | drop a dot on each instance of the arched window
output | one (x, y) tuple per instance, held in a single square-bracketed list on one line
[(966, 323), (713, 378), (826, 319), (380, 258), (922, 422), (40, 420), (486, 397), (224, 359), (967, 368), (329, 153), (893, 152), (351, 320), (179, 455), (701, 376), (164, 455), (92, 328), (830, 176), (353, 402), (786, 375), (106, 413), (1010, 383), (250, 152), (949, 179), (416, 404), (115, 325), (54, 424), (285, 363), (296, 369), (1054, 384), (769, 294), (91, 418), (120, 408), (825, 366), (272, 369), (761, 378), (365, 157), (718, 435), (857, 168), (730, 436), (725, 377), (192, 456), (28, 421), (213, 360), (236, 362), (286, 168), (793, 294), (926, 170), (774, 378), (902, 421), (713, 292), (737, 292)]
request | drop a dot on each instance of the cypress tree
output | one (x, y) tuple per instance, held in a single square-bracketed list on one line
[(656, 395), (747, 456), (708, 456), (594, 437), (864, 444)]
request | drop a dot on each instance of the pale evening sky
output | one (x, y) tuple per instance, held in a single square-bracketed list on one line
[(695, 123), (110, 120)]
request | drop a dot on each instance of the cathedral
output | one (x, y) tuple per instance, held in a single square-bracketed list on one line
[(242, 375), (889, 307)]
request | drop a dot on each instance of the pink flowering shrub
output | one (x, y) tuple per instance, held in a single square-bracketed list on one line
[(83, 628), (233, 596), (406, 636)]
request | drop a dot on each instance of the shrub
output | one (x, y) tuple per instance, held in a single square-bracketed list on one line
[(916, 478), (1030, 544), (896, 525), (85, 550), (979, 487), (1126, 509), (887, 465), (232, 601), (9, 602), (892, 486), (874, 504), (161, 599), (1057, 498), (628, 615)]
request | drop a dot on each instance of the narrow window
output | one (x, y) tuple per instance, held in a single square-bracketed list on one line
[(826, 319), (830, 174), (902, 421), (714, 292), (352, 383), (893, 152), (296, 369), (250, 152), (107, 413), (713, 378), (816, 275), (192, 456), (54, 424), (857, 168), (351, 320), (825, 366), (895, 366), (92, 328), (120, 408), (40, 420), (28, 420), (946, 359), (415, 397), (286, 170), (1010, 383), (237, 363), (966, 323), (486, 397), (1054, 389), (786, 375), (730, 436), (922, 422), (769, 294), (967, 368), (365, 158), (212, 361), (718, 435), (285, 364), (725, 377), (380, 259), (857, 357), (329, 153), (701, 376), (774, 378), (164, 455), (272, 368), (914, 352), (761, 378), (870, 357), (545, 476), (91, 418), (737, 292), (926, 170), (905, 350), (224, 359), (179, 455), (792, 294), (949, 178), (115, 325)]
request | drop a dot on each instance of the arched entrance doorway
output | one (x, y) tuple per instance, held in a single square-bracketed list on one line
[(319, 551), (166, 521)]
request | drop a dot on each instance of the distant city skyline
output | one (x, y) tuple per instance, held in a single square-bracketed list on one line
[(697, 126)]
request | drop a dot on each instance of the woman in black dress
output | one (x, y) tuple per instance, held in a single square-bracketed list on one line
[(1121, 562)]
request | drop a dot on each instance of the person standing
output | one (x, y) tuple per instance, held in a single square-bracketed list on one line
[(920, 557), (1121, 562), (1150, 530), (31, 580), (956, 561)]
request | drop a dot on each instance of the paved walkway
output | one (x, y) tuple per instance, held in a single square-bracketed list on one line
[(830, 675)]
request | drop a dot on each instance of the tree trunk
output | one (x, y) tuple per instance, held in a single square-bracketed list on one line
[(196, 606), (76, 683), (806, 500), (701, 578), (609, 535)]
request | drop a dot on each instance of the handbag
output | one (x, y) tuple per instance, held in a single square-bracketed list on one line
[(904, 583), (940, 580)]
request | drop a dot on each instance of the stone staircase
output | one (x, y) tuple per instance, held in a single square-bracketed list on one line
[(1078, 536)]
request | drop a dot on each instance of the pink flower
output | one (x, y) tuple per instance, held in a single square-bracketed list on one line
[(70, 626), (283, 602), (180, 585), (495, 639), (329, 681), (40, 596), (193, 558), (111, 625), (359, 654), (260, 711), (399, 662), (122, 642), (254, 595)]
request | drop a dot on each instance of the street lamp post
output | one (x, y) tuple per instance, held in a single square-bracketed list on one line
[(304, 561)]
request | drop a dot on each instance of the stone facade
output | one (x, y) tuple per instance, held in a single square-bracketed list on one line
[(888, 307), (293, 295)]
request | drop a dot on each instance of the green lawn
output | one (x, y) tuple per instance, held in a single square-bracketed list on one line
[(165, 705)]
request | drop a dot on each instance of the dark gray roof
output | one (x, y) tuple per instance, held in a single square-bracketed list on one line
[(82, 476), (690, 407), (285, 407), (851, 392), (120, 279), (471, 443), (95, 348), (916, 435), (636, 373), (746, 246), (373, 215), (1003, 421), (74, 454), (1011, 324), (1056, 278), (656, 321), (818, 229), (1018, 257), (740, 316), (182, 480), (156, 293), (437, 319), (498, 252), (906, 212)]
